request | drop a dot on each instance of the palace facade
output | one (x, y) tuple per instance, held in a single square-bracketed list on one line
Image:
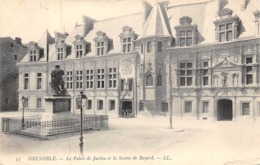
[(196, 60)]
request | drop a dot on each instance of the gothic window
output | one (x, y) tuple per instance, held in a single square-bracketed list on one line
[(149, 80), (127, 37), (186, 33), (185, 74), (159, 80), (226, 26), (130, 84)]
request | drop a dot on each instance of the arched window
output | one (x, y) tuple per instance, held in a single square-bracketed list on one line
[(149, 80), (159, 80)]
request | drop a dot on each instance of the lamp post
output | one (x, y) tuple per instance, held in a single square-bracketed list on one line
[(81, 102), (23, 101), (170, 99)]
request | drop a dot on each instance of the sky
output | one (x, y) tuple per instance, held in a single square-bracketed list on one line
[(29, 19)]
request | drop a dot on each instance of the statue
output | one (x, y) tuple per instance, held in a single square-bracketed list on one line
[(57, 82)]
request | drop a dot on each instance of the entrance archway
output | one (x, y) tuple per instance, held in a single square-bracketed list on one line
[(126, 105), (225, 110)]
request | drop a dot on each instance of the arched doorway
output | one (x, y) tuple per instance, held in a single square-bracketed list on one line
[(225, 110), (126, 105)]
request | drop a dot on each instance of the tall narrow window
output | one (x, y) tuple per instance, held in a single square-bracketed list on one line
[(89, 79), (60, 53), (100, 48), (142, 48), (245, 109), (39, 102), (79, 80), (149, 80), (112, 105), (100, 104), (112, 78), (26, 81), (130, 84), (127, 42), (159, 80), (205, 107), (188, 107), (186, 74), (122, 84), (79, 51), (149, 47), (249, 70), (15, 57), (69, 80), (159, 46), (33, 55), (101, 78), (39, 81), (89, 105), (205, 73)]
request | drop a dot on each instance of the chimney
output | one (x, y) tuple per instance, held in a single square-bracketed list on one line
[(18, 40), (88, 24)]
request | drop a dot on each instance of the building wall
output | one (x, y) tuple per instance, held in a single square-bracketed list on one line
[(11, 52)]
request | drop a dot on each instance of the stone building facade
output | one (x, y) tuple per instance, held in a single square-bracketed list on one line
[(11, 52), (196, 60)]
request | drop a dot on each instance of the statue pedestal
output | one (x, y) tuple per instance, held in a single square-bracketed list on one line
[(56, 104)]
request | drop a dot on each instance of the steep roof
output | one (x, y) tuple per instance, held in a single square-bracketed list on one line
[(157, 23)]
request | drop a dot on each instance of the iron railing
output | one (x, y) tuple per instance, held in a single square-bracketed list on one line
[(46, 130)]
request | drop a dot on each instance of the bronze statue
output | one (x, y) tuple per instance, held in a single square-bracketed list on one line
[(57, 82)]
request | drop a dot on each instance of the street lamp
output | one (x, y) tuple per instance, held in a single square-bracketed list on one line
[(170, 99), (23, 101), (81, 102)]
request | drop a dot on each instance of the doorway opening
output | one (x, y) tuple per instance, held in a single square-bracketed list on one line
[(126, 109), (225, 110)]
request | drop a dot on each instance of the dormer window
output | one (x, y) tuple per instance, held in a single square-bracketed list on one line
[(34, 52), (103, 44), (32, 55), (127, 44), (100, 48), (127, 37), (79, 51), (60, 53), (186, 34), (81, 47), (226, 26)]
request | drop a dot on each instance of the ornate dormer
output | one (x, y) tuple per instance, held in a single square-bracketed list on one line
[(226, 26), (103, 43), (186, 33), (126, 38), (81, 46), (34, 51)]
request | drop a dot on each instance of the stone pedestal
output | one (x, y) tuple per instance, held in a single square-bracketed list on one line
[(57, 107)]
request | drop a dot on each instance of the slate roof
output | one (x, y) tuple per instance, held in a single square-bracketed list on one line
[(161, 22)]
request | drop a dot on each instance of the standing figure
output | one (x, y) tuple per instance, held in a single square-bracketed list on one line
[(57, 82)]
